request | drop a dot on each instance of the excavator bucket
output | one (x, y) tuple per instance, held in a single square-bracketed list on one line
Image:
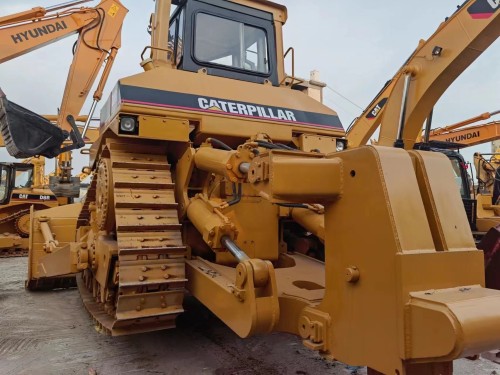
[(27, 134)]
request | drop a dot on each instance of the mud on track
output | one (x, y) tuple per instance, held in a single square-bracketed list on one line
[(51, 333)]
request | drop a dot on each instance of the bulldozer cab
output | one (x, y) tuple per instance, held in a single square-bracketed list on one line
[(14, 176), (226, 39)]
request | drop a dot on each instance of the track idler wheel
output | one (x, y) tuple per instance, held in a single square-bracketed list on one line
[(23, 226)]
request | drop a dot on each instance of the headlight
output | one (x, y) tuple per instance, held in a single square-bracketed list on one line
[(128, 125), (340, 146)]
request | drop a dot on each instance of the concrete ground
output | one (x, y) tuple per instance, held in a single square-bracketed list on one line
[(51, 333)]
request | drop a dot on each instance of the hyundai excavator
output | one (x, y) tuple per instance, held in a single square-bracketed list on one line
[(99, 31), (461, 135), (207, 159)]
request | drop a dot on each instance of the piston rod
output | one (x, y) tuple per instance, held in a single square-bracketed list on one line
[(234, 249), (402, 117), (65, 5)]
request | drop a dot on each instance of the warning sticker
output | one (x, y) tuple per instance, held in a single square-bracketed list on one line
[(113, 10)]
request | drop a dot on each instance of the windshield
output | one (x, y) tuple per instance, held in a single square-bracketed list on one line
[(24, 178), (3, 183), (457, 169), (230, 43)]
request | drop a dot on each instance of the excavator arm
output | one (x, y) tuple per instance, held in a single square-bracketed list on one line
[(408, 99), (99, 39), (466, 136)]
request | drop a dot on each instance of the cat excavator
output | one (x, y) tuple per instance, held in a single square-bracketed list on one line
[(209, 159)]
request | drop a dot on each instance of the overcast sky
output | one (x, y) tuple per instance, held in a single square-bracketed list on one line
[(356, 46)]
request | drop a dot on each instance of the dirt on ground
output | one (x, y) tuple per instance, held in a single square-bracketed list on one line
[(51, 333)]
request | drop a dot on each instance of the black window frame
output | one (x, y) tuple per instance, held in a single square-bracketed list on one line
[(8, 182), (235, 12)]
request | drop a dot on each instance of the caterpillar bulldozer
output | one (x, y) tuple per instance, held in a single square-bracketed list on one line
[(210, 164), (20, 188)]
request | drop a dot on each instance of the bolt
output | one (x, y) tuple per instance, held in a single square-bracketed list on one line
[(137, 195), (211, 233), (163, 305), (352, 274), (142, 278), (163, 268), (166, 276), (138, 308), (135, 176), (144, 269), (152, 177), (83, 246), (210, 243), (229, 166), (140, 217), (156, 196)]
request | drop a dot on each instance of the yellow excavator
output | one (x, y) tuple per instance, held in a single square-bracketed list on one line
[(98, 43), (209, 159)]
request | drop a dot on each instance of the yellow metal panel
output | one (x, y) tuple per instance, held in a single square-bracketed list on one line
[(164, 128), (448, 221)]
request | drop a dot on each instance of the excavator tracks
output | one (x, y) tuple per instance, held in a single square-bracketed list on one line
[(144, 287)]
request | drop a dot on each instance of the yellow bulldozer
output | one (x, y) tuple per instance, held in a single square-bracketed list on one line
[(209, 166)]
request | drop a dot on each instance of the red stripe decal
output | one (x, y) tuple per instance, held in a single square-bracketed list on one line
[(481, 16)]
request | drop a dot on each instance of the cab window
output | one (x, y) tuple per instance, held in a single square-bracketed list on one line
[(175, 38), (457, 169), (230, 43), (4, 177), (24, 178)]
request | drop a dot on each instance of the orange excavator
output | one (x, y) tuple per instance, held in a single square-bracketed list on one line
[(99, 31), (32, 137), (467, 136), (461, 135)]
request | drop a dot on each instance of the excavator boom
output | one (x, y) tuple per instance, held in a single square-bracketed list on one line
[(404, 104)]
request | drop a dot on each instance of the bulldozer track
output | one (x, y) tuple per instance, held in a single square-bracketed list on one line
[(149, 270), (13, 217), (13, 252)]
